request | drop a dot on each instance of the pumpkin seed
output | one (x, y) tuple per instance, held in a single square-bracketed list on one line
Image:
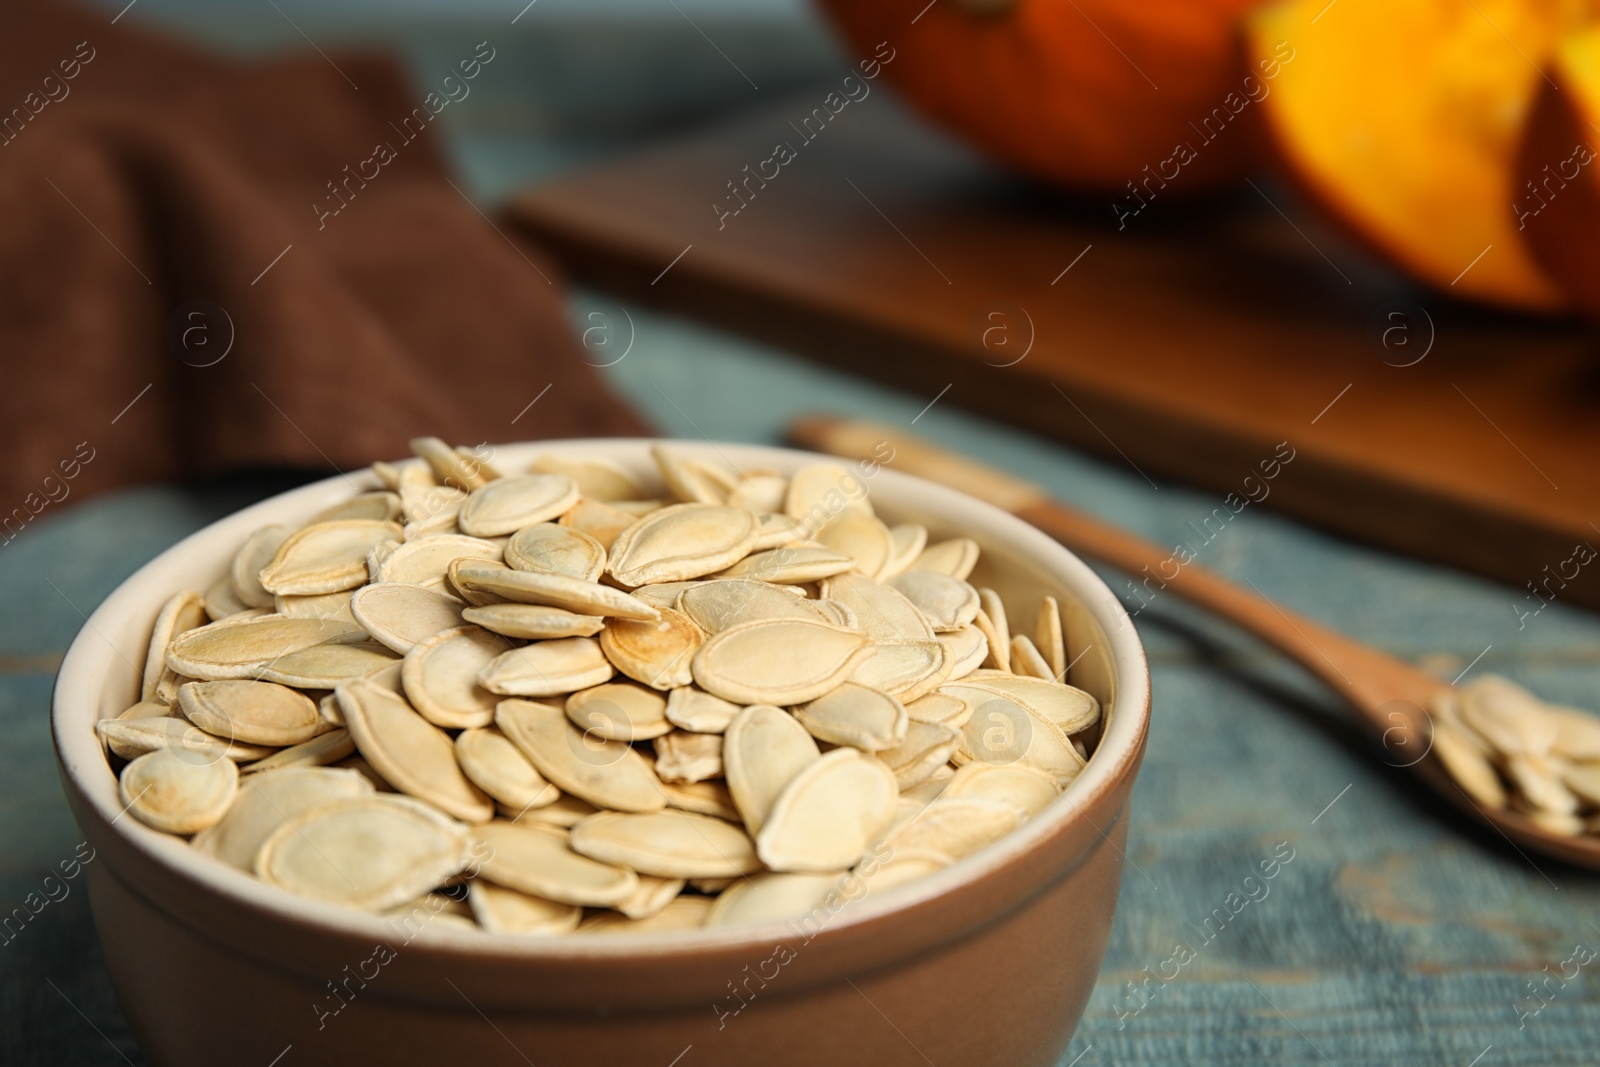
[(828, 813), (883, 612), (132, 738), (1004, 731), (779, 661), (667, 844), (398, 616), (547, 668), (325, 557), (331, 747), (260, 713), (683, 913), (369, 852), (681, 541), (180, 614), (696, 710), (1026, 660), (332, 606), (426, 561), (608, 774), (955, 557), (1049, 638), (908, 539), (412, 754), (1069, 708), (554, 590), (506, 911), (760, 493), (968, 650), (266, 802), (703, 798), (603, 522), (382, 505), (854, 715), (1024, 789), (763, 749), (241, 648), (948, 603), (325, 666), (771, 897), (1540, 784), (941, 709), (997, 630), (791, 565), (540, 861), (824, 489), (924, 749), (221, 602), (659, 653), (776, 531), (564, 812), (860, 536), (178, 791), (533, 622), (619, 711), (687, 757), (597, 478), (253, 556), (558, 550), (721, 605), (909, 670), (449, 466), (957, 826), (686, 481), (440, 677), (430, 510), (506, 505), (499, 768)]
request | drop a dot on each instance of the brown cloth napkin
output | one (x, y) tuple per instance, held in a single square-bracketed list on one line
[(162, 207)]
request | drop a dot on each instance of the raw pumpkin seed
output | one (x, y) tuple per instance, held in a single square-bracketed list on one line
[(499, 768), (371, 852), (506, 911), (763, 749), (828, 813), (779, 661), (681, 541), (268, 801), (558, 550), (178, 791), (506, 505), (619, 711), (325, 557), (412, 754), (554, 590), (399, 616), (532, 622), (667, 844), (260, 713), (608, 774), (539, 861), (547, 668)]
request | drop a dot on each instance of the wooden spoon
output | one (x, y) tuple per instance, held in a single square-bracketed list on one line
[(1389, 695)]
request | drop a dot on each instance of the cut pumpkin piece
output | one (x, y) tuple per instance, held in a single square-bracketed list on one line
[(1556, 203), (1403, 119)]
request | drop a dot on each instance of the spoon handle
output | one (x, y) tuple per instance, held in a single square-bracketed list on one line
[(1367, 678)]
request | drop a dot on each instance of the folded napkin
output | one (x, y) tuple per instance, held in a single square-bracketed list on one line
[(209, 264)]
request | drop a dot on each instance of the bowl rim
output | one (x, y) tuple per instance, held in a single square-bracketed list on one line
[(77, 697)]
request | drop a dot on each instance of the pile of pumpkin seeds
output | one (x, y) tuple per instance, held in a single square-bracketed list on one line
[(549, 702), (1509, 749)]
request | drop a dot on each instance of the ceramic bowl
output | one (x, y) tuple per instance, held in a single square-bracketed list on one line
[(990, 961)]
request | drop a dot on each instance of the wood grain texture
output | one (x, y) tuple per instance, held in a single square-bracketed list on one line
[(1185, 342)]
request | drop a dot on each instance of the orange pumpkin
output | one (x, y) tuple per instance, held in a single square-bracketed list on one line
[(1117, 96), (1403, 119), (1557, 194)]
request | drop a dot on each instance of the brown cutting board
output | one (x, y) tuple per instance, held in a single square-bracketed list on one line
[(1185, 341)]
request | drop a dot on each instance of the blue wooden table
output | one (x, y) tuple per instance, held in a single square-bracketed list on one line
[(1391, 932)]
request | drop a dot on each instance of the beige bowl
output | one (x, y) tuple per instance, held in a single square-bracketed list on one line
[(987, 962)]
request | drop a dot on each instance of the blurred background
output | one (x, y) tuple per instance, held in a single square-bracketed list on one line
[(1130, 252)]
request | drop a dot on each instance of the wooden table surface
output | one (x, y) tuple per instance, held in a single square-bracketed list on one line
[(1395, 934)]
